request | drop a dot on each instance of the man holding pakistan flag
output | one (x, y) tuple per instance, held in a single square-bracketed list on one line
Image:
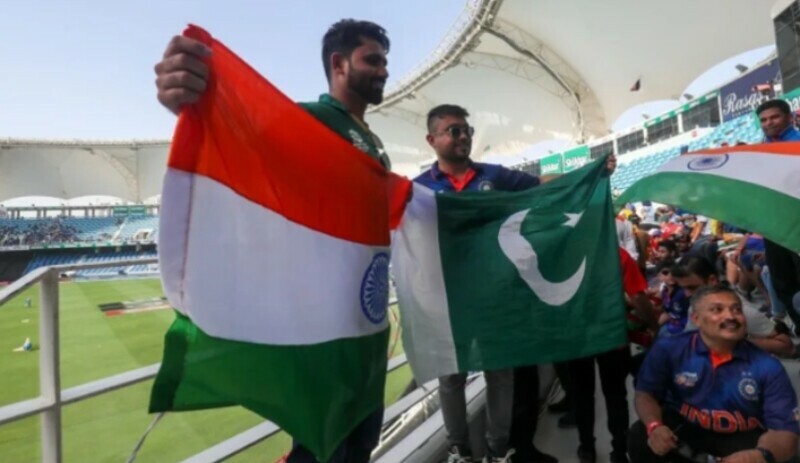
[(472, 292)]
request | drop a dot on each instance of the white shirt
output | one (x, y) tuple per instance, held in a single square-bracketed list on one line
[(626, 238)]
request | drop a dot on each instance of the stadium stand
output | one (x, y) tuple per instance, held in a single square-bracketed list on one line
[(42, 260), (77, 230), (93, 228), (32, 231), (145, 226)]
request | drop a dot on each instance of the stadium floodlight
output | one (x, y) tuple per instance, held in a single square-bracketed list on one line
[(645, 116), (741, 68), (688, 96)]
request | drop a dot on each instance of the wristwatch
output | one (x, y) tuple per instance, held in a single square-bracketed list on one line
[(768, 457)]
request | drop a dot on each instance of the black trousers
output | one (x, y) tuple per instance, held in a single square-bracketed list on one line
[(525, 412), (564, 377), (784, 270), (614, 367), (356, 448), (691, 440)]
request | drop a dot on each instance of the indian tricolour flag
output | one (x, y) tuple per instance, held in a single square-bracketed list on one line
[(491, 280), (754, 187), (274, 242)]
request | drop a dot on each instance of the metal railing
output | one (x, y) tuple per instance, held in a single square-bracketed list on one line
[(52, 398)]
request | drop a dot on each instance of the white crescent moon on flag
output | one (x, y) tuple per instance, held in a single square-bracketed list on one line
[(521, 253)]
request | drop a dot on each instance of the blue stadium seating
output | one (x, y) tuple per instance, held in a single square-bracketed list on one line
[(133, 224), (742, 129), (42, 260), (93, 228)]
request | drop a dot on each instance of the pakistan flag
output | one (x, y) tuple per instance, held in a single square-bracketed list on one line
[(491, 280)]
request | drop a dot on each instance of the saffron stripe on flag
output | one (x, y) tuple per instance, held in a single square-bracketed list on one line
[(261, 165)]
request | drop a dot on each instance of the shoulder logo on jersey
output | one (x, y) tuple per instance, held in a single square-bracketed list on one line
[(358, 140), (748, 388), (485, 185), (686, 379)]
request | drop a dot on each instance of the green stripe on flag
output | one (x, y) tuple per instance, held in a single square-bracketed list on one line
[(752, 207), (318, 393)]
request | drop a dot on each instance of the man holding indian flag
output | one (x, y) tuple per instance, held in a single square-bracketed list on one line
[(246, 231)]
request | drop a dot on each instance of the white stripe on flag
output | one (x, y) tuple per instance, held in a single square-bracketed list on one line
[(417, 268), (247, 270), (774, 171)]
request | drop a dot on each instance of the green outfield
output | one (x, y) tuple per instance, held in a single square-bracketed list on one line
[(93, 345)]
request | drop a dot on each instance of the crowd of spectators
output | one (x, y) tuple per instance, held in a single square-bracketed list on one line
[(47, 231), (666, 238)]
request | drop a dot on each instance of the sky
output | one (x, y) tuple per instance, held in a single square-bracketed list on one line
[(83, 69)]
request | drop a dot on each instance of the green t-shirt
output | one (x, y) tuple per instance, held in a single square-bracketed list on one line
[(333, 114)]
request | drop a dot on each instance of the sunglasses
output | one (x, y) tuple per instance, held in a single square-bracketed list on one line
[(456, 131)]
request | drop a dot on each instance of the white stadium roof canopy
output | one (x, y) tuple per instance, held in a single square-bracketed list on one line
[(530, 71), (527, 71), (131, 170)]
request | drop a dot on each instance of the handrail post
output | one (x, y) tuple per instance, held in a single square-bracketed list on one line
[(49, 368)]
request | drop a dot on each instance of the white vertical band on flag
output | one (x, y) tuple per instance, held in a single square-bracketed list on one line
[(176, 197), (246, 275), (417, 268), (774, 171)]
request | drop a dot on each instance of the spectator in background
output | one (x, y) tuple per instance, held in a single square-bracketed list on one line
[(711, 391), (705, 227), (783, 264), (776, 121), (694, 272), (643, 247), (744, 264), (674, 303), (648, 212), (682, 243), (665, 214), (626, 236), (666, 252)]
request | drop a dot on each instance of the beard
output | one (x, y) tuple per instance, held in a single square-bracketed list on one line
[(369, 88), (454, 155)]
